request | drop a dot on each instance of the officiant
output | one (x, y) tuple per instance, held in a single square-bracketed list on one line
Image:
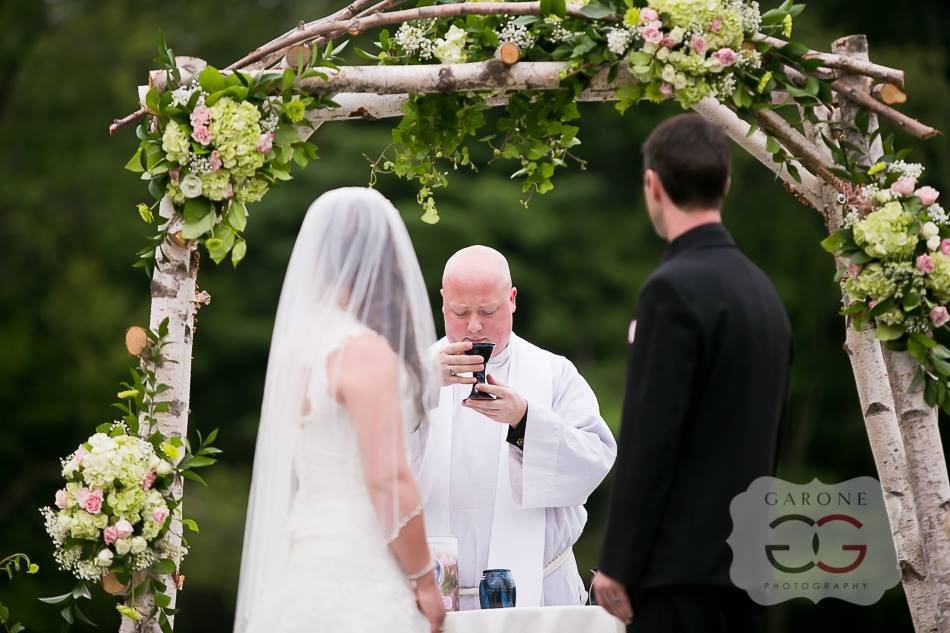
[(508, 477)]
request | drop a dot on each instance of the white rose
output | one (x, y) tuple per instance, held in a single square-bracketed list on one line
[(104, 559), (677, 34), (122, 546), (190, 186), (138, 545), (649, 48), (713, 65), (663, 54), (679, 82), (933, 243), (929, 230), (63, 523), (164, 468)]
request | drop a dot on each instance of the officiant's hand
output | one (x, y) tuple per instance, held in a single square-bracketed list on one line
[(507, 407), (454, 361), (612, 596), (429, 600)]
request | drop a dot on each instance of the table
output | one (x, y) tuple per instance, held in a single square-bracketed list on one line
[(534, 620)]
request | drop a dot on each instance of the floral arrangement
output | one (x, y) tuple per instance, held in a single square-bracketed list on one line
[(218, 142), (114, 520), (895, 246), (682, 50)]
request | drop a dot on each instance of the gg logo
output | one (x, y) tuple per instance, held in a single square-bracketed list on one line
[(770, 550)]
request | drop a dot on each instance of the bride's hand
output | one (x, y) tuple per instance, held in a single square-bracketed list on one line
[(429, 599)]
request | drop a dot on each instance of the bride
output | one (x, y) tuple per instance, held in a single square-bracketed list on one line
[(335, 540)]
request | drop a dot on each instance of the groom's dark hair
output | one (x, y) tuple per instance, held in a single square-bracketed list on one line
[(691, 157)]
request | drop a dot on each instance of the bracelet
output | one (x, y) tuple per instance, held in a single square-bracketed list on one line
[(414, 578)]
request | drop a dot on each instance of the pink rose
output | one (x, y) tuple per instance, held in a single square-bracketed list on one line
[(699, 45), (265, 143), (201, 134), (159, 515), (939, 316), (93, 503), (652, 35), (149, 480), (648, 15), (715, 25), (854, 270), (667, 41), (904, 187), (110, 535), (945, 246), (926, 264), (726, 56), (216, 161), (61, 499), (927, 195), (666, 89), (123, 528), (201, 116), (174, 173)]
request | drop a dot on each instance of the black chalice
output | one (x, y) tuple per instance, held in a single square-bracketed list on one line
[(484, 350)]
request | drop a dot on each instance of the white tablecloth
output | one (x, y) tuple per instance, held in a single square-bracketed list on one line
[(534, 620)]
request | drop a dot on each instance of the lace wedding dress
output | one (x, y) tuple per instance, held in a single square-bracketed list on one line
[(342, 576)]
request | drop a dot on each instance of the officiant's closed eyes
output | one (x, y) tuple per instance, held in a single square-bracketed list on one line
[(508, 476)]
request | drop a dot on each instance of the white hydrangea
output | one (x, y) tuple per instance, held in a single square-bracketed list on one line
[(517, 34), (852, 217), (181, 96), (906, 170), (619, 39), (724, 88), (413, 40)]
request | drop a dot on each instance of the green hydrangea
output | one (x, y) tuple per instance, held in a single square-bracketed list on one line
[(251, 190), (894, 316), (214, 186), (127, 503), (175, 142), (939, 280), (173, 191), (872, 284), (730, 34), (690, 63), (235, 131), (694, 92), (883, 233), (686, 12), (87, 526)]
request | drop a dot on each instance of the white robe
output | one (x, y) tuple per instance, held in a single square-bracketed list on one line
[(510, 508)]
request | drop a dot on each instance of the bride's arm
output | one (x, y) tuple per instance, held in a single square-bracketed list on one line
[(368, 387)]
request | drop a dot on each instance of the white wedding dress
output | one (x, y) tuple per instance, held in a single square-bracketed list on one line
[(316, 556), (342, 576)]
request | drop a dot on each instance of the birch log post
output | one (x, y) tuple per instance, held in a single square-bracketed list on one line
[(929, 597), (173, 293), (874, 389)]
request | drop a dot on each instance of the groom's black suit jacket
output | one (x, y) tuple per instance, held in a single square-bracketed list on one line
[(707, 380)]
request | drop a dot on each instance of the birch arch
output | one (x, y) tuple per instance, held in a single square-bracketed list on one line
[(804, 151)]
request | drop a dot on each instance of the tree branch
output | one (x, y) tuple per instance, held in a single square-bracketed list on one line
[(854, 66)]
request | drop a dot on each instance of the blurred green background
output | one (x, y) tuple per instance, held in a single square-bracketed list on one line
[(69, 231)]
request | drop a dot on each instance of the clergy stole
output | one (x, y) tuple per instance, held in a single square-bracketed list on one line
[(517, 534)]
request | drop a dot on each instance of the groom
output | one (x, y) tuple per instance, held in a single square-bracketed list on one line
[(707, 379), (508, 477)]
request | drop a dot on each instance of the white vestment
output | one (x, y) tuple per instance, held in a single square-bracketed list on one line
[(510, 508)]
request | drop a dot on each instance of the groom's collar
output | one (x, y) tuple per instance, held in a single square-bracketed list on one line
[(702, 236)]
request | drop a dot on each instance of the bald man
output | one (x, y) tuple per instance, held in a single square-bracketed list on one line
[(508, 477)]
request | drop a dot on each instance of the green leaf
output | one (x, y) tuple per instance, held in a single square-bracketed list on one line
[(942, 366), (199, 461), (546, 7), (82, 617), (164, 567), (888, 333), (193, 476), (238, 251), (596, 11), (237, 216), (795, 50), (191, 524), (57, 599), (135, 163), (834, 242), (67, 613), (220, 245), (212, 80)]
